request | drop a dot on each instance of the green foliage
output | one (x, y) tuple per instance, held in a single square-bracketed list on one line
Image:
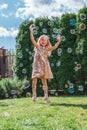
[(81, 48), (66, 69), (6, 85)]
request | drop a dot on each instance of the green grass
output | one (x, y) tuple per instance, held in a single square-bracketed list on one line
[(63, 113)]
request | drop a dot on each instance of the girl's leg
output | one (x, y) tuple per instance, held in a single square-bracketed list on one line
[(34, 86), (45, 88)]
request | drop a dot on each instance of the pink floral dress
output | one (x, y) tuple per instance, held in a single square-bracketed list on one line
[(41, 66)]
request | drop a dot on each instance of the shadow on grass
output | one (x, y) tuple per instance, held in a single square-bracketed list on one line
[(84, 106)]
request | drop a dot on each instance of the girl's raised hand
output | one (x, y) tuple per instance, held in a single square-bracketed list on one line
[(31, 28)]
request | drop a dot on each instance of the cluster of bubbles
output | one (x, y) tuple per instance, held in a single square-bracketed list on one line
[(59, 51), (83, 17), (78, 66)]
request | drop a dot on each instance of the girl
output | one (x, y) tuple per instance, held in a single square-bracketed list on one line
[(41, 66)]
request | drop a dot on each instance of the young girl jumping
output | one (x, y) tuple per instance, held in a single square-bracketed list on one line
[(41, 66)]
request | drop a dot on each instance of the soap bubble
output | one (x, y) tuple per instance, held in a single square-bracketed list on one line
[(63, 38), (72, 31), (35, 32), (44, 30), (82, 16), (52, 64), (40, 23), (37, 27), (59, 50), (69, 50), (20, 55), (49, 23), (54, 35), (72, 22), (30, 52), (59, 31), (55, 30), (30, 58), (21, 64), (18, 46), (80, 88), (27, 49), (58, 63), (24, 71), (82, 26)]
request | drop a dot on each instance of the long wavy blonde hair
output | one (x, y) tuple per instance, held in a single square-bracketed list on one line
[(48, 43)]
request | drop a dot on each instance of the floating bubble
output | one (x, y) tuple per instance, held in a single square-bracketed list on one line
[(18, 46), (80, 88), (63, 38), (82, 16), (25, 32), (55, 30), (71, 90), (58, 63), (30, 58), (21, 64), (20, 55), (37, 27), (76, 68), (54, 35), (30, 52), (59, 31), (52, 64), (72, 22), (40, 23), (79, 66), (82, 26), (27, 49), (44, 30), (75, 62), (66, 86), (72, 31), (59, 50), (35, 32), (49, 23), (69, 50), (24, 71)]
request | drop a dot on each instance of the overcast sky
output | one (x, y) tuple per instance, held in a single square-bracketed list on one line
[(13, 12)]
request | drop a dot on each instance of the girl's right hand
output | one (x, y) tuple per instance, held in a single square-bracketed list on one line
[(31, 28)]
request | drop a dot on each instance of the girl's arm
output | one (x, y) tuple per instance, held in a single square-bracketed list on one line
[(32, 36), (55, 46)]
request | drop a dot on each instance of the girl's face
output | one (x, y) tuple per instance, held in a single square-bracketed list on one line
[(43, 41)]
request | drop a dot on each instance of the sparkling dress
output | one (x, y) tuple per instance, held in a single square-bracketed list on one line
[(41, 66)]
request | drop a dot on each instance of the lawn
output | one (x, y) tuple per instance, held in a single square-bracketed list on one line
[(63, 113)]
